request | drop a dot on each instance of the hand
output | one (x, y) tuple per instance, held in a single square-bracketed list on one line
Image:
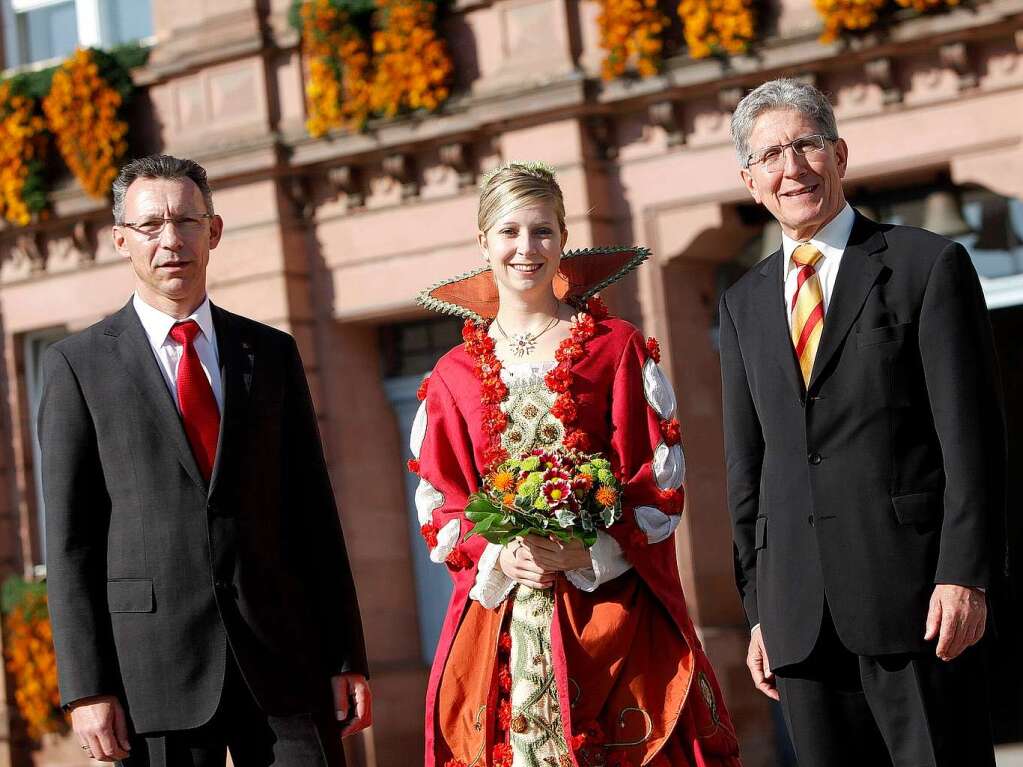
[(557, 556), (760, 667), (517, 563), (958, 617), (348, 688), (101, 725)]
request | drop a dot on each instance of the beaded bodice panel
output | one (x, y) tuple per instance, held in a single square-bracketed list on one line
[(528, 407)]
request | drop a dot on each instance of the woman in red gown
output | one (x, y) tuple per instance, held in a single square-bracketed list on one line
[(557, 655)]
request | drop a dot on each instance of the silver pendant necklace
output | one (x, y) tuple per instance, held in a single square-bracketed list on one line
[(521, 344)]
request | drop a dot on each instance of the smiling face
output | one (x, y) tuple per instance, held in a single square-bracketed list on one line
[(807, 193), (170, 267), (524, 250)]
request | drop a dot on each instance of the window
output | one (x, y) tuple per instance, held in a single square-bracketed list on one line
[(42, 30)]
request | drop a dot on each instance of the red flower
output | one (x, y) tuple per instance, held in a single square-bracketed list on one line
[(413, 465), (673, 500), (568, 352), (559, 379), (504, 679), (429, 533), (564, 408), (494, 421), (501, 755), (493, 391), (654, 349), (421, 392), (577, 741), (487, 366), (504, 714), (576, 439), (583, 328), (504, 643), (458, 560), (596, 308), (455, 763), (493, 455), (671, 432)]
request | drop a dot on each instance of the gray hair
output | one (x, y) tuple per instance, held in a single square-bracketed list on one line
[(784, 93), (159, 166)]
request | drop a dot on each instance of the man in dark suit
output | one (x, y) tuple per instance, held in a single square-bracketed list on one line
[(865, 455), (199, 586)]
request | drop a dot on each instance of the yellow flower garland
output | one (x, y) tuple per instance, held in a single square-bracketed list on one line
[(717, 26), (23, 147), (82, 110), (32, 664), (630, 33), (413, 67), (847, 16), (337, 92)]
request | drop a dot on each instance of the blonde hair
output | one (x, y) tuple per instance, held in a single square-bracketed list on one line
[(515, 186)]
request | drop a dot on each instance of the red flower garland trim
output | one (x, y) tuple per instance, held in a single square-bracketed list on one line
[(487, 367), (421, 391), (413, 465), (654, 349), (458, 560), (502, 755), (671, 431), (429, 533)]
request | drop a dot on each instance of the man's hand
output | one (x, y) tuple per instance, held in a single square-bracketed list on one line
[(760, 667), (349, 689), (958, 617), (100, 724), (517, 563)]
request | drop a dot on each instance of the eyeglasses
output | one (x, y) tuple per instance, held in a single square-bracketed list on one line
[(155, 226), (773, 157)]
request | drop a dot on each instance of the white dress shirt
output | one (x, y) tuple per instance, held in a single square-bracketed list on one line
[(830, 241), (168, 351)]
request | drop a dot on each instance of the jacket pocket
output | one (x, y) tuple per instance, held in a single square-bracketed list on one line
[(130, 595), (917, 508), (760, 540), (884, 335)]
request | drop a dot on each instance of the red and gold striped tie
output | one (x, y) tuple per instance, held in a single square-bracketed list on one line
[(807, 308)]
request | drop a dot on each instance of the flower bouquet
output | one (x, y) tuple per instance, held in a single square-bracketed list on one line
[(563, 494)]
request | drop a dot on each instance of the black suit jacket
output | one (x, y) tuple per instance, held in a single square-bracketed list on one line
[(886, 474), (152, 574)]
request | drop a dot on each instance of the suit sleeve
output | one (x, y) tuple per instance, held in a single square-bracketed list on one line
[(77, 518), (330, 572), (958, 357), (744, 457)]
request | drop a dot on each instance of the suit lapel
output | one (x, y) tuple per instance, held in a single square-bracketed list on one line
[(856, 275), (770, 300), (131, 347), (237, 360)]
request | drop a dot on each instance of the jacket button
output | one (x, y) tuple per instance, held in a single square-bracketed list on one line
[(814, 458)]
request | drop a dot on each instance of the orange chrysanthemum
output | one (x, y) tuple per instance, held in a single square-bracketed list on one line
[(606, 496), (23, 147), (717, 26), (502, 480), (630, 33)]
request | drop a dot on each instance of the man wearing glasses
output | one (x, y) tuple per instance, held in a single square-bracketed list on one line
[(865, 457), (199, 586)]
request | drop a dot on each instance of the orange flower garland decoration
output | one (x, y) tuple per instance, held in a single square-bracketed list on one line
[(23, 147), (413, 67), (83, 111), (32, 664), (921, 6), (847, 16), (338, 89), (630, 32), (717, 26)]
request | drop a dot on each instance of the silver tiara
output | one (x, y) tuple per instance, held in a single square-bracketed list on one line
[(533, 166)]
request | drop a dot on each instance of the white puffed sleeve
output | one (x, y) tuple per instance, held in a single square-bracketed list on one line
[(608, 563)]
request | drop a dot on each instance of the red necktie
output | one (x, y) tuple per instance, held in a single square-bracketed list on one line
[(195, 398)]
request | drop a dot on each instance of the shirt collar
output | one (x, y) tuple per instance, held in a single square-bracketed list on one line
[(830, 240), (158, 325)]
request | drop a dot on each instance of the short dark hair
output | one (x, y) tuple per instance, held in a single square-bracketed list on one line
[(159, 166)]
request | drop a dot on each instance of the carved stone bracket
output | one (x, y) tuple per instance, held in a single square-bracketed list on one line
[(344, 180), (298, 190), (667, 115), (399, 168), (30, 249), (729, 98), (456, 156), (956, 56), (600, 129), (881, 73), (83, 238)]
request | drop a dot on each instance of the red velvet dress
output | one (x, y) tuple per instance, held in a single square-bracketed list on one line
[(633, 685)]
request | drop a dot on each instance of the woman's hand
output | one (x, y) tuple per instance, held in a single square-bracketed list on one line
[(517, 563), (557, 556)]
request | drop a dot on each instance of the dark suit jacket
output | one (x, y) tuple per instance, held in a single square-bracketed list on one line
[(152, 574), (884, 476)]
